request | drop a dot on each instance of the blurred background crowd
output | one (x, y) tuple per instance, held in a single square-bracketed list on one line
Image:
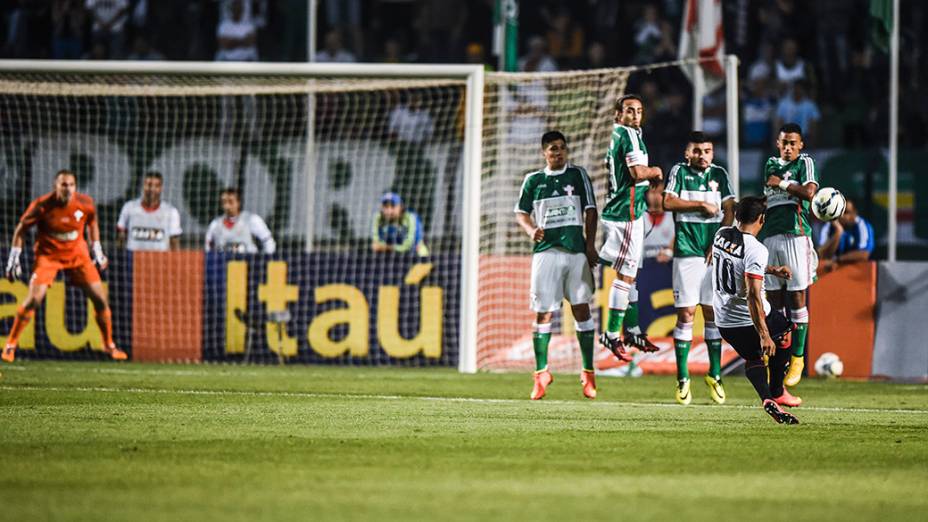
[(807, 61)]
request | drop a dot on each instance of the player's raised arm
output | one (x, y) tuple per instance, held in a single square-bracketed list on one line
[(793, 188), (645, 173)]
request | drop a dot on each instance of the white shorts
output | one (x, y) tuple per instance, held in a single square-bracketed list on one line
[(558, 274), (692, 282), (796, 252), (624, 245)]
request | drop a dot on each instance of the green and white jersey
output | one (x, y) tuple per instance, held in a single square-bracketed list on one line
[(694, 231), (557, 201), (626, 199), (787, 214)]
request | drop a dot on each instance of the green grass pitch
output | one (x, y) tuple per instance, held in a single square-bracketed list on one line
[(88, 441)]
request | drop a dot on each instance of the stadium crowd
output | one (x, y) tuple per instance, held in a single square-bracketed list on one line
[(812, 62)]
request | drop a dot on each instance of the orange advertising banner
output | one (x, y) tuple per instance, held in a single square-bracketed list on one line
[(841, 318)]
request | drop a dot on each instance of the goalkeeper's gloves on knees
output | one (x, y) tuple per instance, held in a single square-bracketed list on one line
[(98, 257), (14, 269)]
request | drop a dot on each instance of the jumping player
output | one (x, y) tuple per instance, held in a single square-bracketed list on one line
[(790, 186), (629, 178), (62, 217)]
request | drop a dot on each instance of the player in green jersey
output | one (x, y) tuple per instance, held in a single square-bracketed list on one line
[(629, 177), (790, 186), (557, 209), (699, 194)]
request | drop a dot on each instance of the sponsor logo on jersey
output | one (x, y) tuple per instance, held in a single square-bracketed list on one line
[(147, 234), (234, 247), (732, 247)]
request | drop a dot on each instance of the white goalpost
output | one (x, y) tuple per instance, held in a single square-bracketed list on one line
[(312, 147)]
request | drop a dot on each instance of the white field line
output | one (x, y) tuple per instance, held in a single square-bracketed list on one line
[(361, 396)]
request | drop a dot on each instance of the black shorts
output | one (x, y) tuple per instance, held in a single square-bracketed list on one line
[(746, 341)]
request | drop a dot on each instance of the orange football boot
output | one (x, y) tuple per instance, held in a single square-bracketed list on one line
[(543, 378), (115, 353), (588, 380), (788, 399)]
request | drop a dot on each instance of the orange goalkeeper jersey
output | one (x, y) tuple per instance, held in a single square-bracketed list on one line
[(60, 225)]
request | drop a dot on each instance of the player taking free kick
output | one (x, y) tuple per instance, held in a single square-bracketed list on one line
[(557, 209), (61, 217), (742, 313)]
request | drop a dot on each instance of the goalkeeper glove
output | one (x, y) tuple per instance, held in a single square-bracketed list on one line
[(98, 257), (13, 267)]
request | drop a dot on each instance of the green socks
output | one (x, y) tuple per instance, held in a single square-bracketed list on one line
[(682, 350), (715, 357), (540, 344), (631, 318), (615, 320), (798, 348), (587, 340)]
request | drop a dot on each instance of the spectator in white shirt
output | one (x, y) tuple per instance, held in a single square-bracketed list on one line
[(537, 59), (109, 24), (237, 36)]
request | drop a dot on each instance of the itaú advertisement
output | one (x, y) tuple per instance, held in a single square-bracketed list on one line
[(358, 308), (656, 317), (347, 308)]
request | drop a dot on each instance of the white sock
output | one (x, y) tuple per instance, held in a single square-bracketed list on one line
[(683, 331)]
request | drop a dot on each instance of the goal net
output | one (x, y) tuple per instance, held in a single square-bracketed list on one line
[(385, 144), (335, 160), (519, 108)]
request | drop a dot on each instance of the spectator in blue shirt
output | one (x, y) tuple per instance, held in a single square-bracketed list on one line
[(397, 229), (797, 106), (848, 239)]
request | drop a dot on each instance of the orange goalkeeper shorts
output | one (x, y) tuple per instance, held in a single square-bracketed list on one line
[(80, 270)]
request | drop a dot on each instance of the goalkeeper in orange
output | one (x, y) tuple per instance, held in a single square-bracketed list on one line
[(61, 217)]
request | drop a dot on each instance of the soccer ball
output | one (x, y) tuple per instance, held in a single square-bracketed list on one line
[(829, 365), (828, 204)]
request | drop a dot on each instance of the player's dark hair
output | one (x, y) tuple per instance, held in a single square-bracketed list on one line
[(551, 136), (154, 174), (750, 209), (619, 104), (65, 172), (698, 137), (790, 128), (232, 190)]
